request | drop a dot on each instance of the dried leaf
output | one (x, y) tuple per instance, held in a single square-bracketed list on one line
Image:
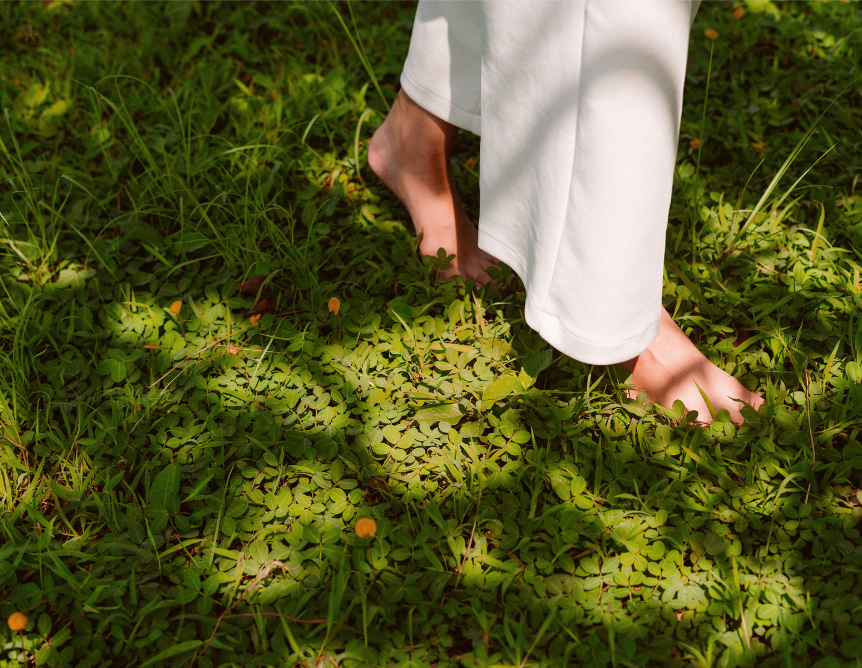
[(266, 304), (251, 286)]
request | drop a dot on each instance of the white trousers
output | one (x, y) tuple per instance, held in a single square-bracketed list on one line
[(578, 106)]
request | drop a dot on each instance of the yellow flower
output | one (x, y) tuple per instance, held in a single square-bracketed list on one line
[(709, 32), (334, 305), (255, 319), (175, 307), (366, 527), (17, 621)]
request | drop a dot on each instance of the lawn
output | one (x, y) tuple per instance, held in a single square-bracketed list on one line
[(223, 363)]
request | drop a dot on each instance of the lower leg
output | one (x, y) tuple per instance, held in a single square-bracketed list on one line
[(411, 153), (672, 368)]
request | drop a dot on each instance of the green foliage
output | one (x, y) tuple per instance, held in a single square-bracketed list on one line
[(181, 487)]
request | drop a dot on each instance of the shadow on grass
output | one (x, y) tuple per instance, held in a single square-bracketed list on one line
[(553, 527)]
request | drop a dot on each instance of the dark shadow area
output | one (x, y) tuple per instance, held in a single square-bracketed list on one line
[(181, 483)]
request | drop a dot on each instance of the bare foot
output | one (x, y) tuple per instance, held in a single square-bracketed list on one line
[(670, 367), (411, 153)]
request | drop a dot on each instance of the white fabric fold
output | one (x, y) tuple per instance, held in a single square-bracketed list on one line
[(578, 104)]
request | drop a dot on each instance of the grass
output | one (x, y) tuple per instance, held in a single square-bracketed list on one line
[(185, 449)]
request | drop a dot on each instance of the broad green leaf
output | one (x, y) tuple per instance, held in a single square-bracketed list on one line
[(402, 311), (501, 388), (311, 533), (164, 492), (114, 368), (44, 625), (391, 433), (137, 533), (210, 585), (449, 413), (577, 486), (537, 363), (471, 429), (60, 637), (192, 579), (751, 416), (767, 612), (526, 379), (432, 558), (714, 544), (186, 646), (228, 526), (259, 551), (44, 655)]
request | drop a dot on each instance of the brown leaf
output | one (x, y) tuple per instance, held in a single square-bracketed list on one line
[(266, 304), (251, 286)]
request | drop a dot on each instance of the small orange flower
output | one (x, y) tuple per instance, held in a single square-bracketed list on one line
[(709, 32), (695, 143), (739, 11), (17, 621), (151, 346), (365, 527), (334, 305), (255, 319), (233, 350), (175, 307)]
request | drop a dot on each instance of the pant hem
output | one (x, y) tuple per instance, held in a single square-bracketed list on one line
[(440, 107), (552, 330)]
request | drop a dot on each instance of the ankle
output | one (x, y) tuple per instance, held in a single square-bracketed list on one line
[(378, 157)]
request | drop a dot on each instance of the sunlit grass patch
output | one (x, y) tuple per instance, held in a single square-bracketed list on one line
[(222, 362)]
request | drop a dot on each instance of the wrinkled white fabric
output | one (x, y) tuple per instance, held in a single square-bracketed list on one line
[(578, 106)]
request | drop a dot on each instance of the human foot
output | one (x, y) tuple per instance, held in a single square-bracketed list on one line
[(670, 367), (411, 153)]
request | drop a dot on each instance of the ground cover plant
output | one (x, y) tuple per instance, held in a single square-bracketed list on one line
[(241, 423)]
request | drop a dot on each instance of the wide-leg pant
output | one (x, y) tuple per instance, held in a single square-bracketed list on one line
[(578, 106)]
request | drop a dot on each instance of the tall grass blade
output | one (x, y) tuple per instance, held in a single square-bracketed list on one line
[(360, 51)]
